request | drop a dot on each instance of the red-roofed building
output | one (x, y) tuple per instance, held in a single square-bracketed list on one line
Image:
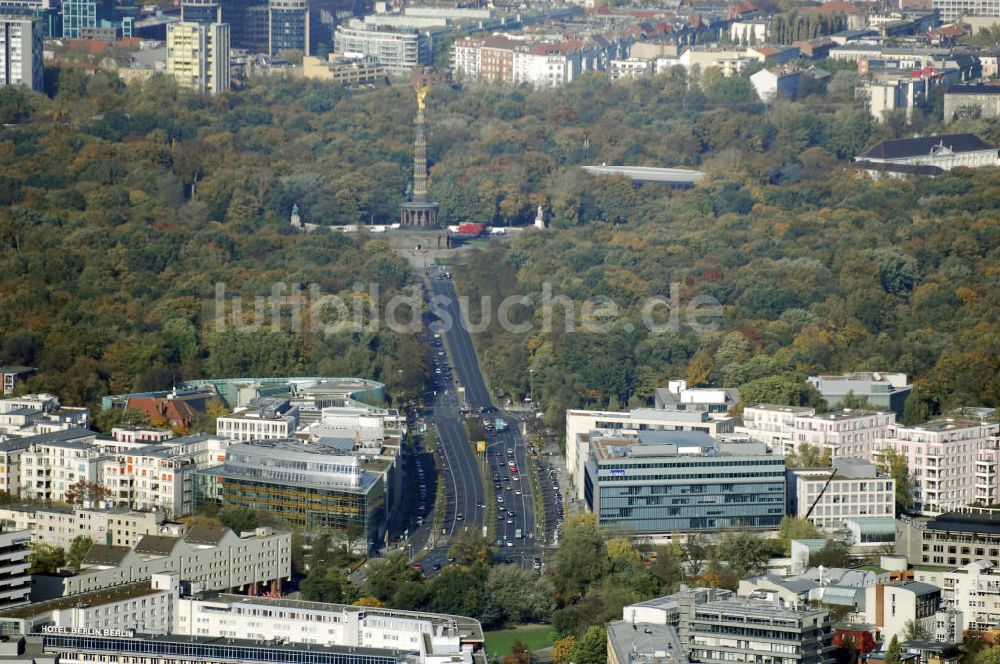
[(773, 54), (176, 413), (814, 49), (88, 46)]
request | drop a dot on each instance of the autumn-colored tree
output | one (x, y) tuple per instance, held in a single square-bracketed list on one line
[(84, 492), (519, 654), (562, 650), (369, 601)]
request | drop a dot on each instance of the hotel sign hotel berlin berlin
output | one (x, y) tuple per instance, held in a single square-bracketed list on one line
[(83, 631)]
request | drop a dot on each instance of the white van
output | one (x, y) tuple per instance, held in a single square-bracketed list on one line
[(517, 534)]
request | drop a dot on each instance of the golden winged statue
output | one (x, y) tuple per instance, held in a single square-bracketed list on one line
[(421, 96)]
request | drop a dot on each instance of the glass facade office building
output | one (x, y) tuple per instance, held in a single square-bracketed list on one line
[(305, 485), (288, 26), (665, 488)]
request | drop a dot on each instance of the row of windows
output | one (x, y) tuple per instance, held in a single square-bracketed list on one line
[(662, 525), (696, 464), (691, 476), (70, 647)]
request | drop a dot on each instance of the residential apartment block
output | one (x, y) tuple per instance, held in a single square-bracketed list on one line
[(775, 82), (158, 476), (15, 582), (540, 63), (943, 459), (50, 464), (630, 69), (59, 527), (972, 590), (665, 482), (13, 374), (217, 557), (34, 414), (855, 491), (772, 425), (845, 433), (980, 101), (198, 56), (951, 539)]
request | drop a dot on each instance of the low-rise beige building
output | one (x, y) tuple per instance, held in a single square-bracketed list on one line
[(348, 72), (59, 527)]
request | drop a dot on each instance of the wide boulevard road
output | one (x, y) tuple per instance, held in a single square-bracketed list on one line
[(461, 476)]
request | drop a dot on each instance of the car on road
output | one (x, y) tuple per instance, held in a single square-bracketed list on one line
[(510, 542), (500, 499), (536, 564), (517, 492), (510, 522), (508, 559), (509, 488), (417, 566), (460, 517), (510, 451), (436, 566)]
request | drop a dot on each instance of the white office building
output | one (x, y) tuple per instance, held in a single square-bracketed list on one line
[(439, 639), (364, 428), (397, 49), (952, 10), (21, 51), (772, 424), (855, 491), (580, 424), (716, 401), (273, 419)]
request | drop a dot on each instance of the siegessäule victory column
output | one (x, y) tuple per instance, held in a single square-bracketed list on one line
[(419, 212)]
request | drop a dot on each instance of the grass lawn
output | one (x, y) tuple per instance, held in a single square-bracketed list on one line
[(536, 637)]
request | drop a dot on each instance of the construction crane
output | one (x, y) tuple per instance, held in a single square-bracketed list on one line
[(833, 473)]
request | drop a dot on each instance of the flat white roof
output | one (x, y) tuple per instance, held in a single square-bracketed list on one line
[(649, 174)]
